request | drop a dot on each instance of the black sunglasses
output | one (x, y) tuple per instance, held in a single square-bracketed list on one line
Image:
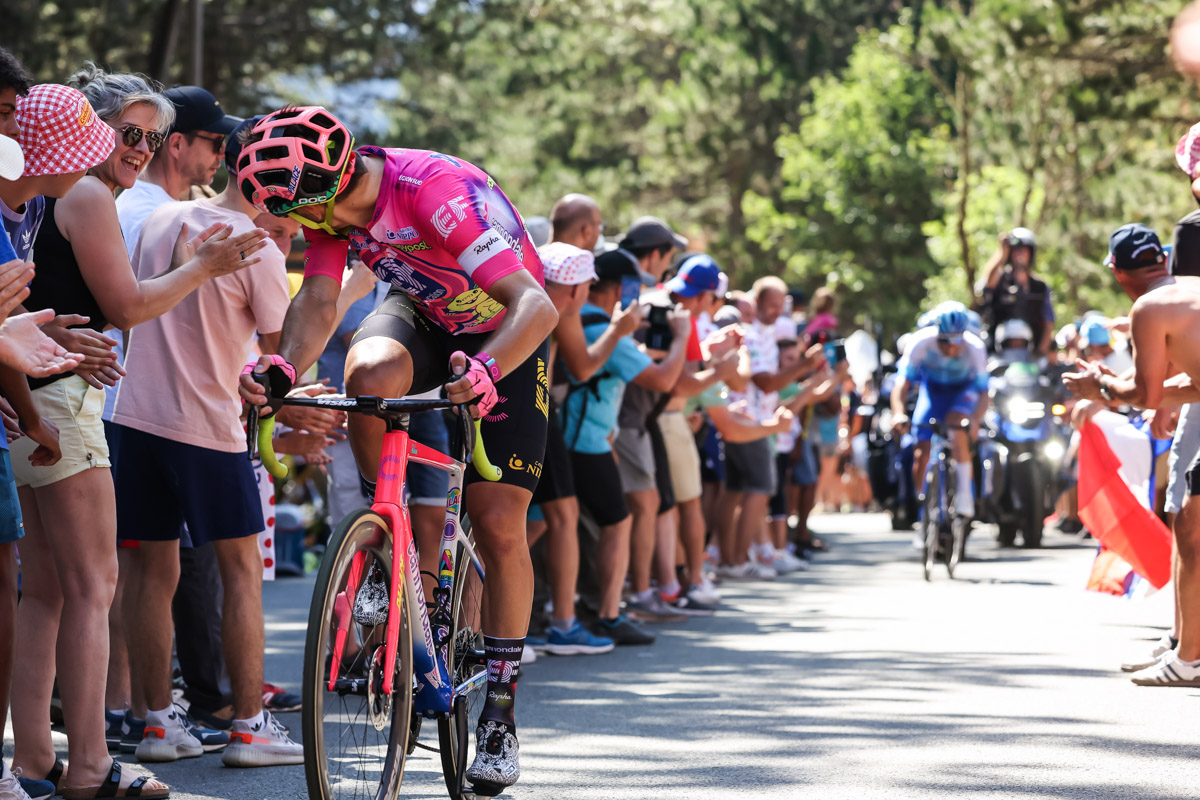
[(217, 144), (132, 134)]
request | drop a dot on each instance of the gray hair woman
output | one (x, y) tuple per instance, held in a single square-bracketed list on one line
[(69, 553)]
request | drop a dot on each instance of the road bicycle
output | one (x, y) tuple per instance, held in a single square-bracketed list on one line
[(379, 657), (944, 530)]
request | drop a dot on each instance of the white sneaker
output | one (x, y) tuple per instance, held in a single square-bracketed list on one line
[(528, 655), (705, 591), (265, 744), (1164, 645), (918, 540), (10, 787), (1169, 671), (756, 571), (783, 561), (167, 739)]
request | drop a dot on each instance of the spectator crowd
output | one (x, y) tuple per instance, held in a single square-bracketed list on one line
[(694, 426)]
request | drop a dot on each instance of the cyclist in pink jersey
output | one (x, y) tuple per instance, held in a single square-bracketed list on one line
[(467, 300)]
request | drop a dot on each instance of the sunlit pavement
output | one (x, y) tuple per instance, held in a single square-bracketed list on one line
[(854, 680)]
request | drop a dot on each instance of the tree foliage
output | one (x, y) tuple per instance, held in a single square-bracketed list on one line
[(874, 145)]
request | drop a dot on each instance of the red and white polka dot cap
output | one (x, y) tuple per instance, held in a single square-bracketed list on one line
[(567, 264), (1187, 152), (60, 132)]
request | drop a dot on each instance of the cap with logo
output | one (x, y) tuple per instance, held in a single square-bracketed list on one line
[(60, 132), (647, 232), (567, 264), (197, 110), (698, 274), (12, 160), (1134, 246), (616, 265)]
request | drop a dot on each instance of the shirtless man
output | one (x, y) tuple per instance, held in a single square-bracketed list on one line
[(1165, 313)]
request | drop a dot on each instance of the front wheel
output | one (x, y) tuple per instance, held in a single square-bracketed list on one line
[(464, 659), (355, 736), (932, 521)]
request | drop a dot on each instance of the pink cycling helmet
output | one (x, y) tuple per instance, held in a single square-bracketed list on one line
[(296, 157)]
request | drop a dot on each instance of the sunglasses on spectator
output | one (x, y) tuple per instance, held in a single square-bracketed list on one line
[(132, 134), (217, 143)]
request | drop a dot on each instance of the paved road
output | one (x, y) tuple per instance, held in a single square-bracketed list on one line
[(855, 680)]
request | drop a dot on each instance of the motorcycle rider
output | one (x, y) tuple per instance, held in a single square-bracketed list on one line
[(1008, 290), (950, 365), (1013, 337)]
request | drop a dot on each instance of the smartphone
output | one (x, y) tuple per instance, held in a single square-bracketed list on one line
[(658, 336), (631, 289), (835, 351)]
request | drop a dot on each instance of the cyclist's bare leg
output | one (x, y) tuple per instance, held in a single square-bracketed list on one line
[(562, 554), (240, 561), (612, 563), (960, 442), (148, 624), (920, 459), (644, 506), (375, 366), (497, 512)]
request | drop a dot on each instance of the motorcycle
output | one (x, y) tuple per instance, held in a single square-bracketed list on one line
[(1021, 457)]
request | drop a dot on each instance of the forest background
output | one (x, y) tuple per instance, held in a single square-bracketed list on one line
[(876, 147)]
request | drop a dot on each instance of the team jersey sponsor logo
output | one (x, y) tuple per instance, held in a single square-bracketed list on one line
[(447, 159), (541, 394), (534, 468), (486, 245), (478, 301), (412, 248), (448, 215), (404, 234), (513, 241), (409, 180)]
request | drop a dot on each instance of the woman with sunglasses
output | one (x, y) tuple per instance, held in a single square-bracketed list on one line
[(69, 553)]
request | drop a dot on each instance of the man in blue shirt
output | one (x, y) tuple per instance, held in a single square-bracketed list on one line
[(590, 420)]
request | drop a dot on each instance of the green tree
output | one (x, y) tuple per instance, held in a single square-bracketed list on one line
[(861, 176)]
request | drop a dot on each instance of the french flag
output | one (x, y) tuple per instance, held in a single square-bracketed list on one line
[(1116, 490)]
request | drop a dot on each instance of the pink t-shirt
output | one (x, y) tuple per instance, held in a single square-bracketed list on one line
[(442, 233), (183, 366)]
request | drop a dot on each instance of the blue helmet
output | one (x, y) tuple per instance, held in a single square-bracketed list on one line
[(952, 321)]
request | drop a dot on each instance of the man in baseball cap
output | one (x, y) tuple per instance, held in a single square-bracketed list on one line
[(652, 243), (195, 145), (696, 275), (1134, 247)]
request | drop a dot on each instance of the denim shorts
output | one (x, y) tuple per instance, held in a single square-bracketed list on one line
[(11, 527)]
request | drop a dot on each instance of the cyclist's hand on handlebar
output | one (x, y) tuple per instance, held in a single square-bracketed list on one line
[(475, 384), (900, 423), (279, 373)]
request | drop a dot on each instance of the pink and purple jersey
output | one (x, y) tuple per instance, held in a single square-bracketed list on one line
[(442, 233)]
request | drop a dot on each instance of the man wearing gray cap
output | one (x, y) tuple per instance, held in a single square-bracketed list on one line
[(652, 243)]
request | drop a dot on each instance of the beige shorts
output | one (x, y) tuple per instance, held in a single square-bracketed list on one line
[(681, 455), (76, 408)]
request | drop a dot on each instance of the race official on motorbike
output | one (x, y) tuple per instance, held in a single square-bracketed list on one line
[(1008, 290)]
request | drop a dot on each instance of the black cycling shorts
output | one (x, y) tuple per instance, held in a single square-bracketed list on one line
[(557, 481), (514, 433)]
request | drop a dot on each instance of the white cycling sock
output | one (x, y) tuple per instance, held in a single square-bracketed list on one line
[(965, 482)]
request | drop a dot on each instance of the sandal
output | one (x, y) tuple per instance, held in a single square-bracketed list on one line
[(112, 788), (56, 772)]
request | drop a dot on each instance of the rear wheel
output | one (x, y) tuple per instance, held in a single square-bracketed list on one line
[(465, 658), (355, 736)]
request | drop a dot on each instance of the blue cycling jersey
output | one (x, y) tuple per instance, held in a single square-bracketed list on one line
[(924, 362)]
